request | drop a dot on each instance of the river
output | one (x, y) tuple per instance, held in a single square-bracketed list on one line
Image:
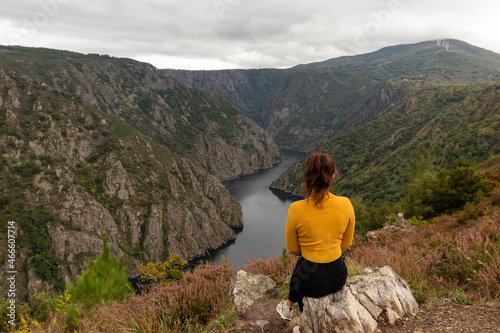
[(264, 213)]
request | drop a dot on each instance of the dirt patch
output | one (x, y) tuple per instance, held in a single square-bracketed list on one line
[(447, 316), (262, 317), (435, 316)]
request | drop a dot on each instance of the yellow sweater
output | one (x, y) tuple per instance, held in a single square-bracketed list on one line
[(320, 234)]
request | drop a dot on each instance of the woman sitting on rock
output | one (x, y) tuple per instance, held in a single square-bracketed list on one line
[(318, 228)]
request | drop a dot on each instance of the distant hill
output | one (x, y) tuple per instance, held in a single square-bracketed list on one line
[(439, 62), (303, 106)]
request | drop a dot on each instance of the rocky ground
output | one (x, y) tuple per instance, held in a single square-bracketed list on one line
[(434, 316)]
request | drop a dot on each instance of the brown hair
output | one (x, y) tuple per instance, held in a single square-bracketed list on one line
[(318, 177)]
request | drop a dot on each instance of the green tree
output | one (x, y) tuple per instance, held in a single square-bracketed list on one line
[(367, 218), (104, 281), (456, 187), (445, 192), (362, 216), (421, 195)]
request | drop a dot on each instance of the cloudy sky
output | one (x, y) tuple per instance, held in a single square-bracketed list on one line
[(205, 34)]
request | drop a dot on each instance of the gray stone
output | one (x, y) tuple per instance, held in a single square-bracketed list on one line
[(379, 292), (261, 323), (249, 287)]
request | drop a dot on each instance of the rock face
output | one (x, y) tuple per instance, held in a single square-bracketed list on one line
[(298, 108), (249, 287), (194, 123), (379, 292), (73, 166)]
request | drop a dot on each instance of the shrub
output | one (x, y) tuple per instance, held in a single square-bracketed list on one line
[(21, 311), (171, 269), (446, 192), (56, 321), (42, 305), (27, 169), (34, 225)]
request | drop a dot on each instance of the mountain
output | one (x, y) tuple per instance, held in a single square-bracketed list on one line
[(306, 105), (93, 144), (296, 107), (438, 62)]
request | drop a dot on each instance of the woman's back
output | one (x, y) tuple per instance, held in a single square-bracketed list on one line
[(320, 233)]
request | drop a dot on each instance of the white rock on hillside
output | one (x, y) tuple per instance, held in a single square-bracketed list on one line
[(249, 287)]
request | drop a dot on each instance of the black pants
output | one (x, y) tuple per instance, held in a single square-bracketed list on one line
[(316, 280)]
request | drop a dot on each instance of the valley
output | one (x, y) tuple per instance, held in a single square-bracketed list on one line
[(93, 143)]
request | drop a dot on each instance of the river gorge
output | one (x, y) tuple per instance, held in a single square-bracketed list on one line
[(264, 212)]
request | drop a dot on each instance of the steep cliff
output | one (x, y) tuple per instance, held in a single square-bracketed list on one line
[(193, 123), (299, 108), (71, 171)]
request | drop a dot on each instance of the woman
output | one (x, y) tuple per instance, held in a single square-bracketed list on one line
[(318, 228)]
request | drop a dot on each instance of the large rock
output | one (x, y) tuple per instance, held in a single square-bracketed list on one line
[(400, 225), (379, 292), (248, 288)]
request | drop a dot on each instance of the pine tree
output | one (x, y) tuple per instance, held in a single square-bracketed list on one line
[(105, 280)]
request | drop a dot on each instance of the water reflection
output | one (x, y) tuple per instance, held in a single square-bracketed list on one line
[(264, 212)]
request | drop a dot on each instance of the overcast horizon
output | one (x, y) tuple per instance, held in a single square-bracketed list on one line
[(230, 34)]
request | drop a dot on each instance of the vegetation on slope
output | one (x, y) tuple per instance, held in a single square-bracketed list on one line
[(191, 122), (458, 64), (412, 153)]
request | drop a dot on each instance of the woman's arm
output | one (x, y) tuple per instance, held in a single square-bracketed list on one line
[(349, 231), (292, 241)]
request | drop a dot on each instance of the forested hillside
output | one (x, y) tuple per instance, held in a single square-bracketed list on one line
[(433, 129)]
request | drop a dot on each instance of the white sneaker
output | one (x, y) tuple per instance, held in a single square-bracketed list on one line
[(285, 312)]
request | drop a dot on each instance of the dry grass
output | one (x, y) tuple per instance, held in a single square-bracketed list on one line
[(278, 268), (183, 305), (452, 252)]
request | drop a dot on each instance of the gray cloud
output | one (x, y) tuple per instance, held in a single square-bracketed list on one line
[(197, 34)]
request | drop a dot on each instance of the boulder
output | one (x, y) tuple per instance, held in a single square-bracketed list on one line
[(249, 287), (377, 293), (400, 225)]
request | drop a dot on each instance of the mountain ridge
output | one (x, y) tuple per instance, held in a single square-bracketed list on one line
[(286, 102)]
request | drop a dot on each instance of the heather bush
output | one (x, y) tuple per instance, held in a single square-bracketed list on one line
[(198, 298)]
